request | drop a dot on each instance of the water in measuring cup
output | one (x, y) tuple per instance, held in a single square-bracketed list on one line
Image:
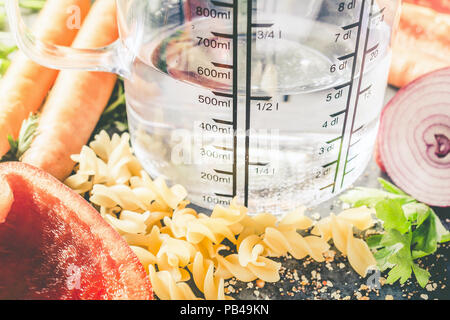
[(305, 141)]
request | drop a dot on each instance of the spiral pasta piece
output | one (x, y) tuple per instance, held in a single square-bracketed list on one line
[(249, 263), (103, 145), (295, 220), (122, 196), (166, 288), (144, 256), (340, 229), (283, 238), (222, 224), (174, 255), (129, 222), (263, 268), (206, 281), (122, 164), (249, 250), (280, 243), (168, 198), (91, 170)]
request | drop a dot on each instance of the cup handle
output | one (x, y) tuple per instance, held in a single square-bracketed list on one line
[(114, 58)]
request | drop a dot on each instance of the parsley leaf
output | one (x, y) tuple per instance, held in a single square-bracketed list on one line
[(371, 197), (391, 212), (411, 230), (389, 187)]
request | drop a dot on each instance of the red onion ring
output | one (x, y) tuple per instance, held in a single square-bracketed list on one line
[(414, 138)]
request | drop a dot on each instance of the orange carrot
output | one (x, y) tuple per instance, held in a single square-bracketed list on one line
[(76, 101), (26, 84)]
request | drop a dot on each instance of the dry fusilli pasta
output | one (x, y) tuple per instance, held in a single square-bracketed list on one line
[(340, 229), (174, 242)]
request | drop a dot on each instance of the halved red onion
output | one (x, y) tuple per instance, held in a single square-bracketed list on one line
[(414, 138)]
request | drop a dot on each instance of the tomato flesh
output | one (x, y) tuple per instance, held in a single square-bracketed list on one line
[(49, 251)]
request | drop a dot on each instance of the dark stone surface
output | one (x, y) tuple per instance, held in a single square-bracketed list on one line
[(346, 283)]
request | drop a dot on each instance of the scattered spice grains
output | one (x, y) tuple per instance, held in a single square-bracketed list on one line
[(307, 279)]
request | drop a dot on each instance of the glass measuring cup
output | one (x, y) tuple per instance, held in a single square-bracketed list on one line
[(274, 102)]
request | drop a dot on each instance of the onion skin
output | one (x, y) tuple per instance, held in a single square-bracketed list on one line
[(377, 157), (413, 141)]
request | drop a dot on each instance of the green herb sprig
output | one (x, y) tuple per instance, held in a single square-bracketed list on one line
[(5, 51), (33, 5), (26, 135), (412, 231)]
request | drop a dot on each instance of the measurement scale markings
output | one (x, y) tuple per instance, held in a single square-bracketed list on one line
[(262, 25), (350, 90), (229, 173), (224, 95), (338, 113), (354, 143), (363, 64), (223, 148), (375, 47), (328, 186), (235, 93), (248, 96), (347, 172), (261, 98), (222, 65), (335, 139), (222, 35), (228, 123), (224, 195), (343, 85), (351, 26), (347, 56), (222, 4), (352, 158), (376, 14), (329, 164), (259, 164), (365, 90), (355, 131)]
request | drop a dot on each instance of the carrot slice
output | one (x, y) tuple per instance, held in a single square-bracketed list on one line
[(26, 84), (76, 101), (422, 44)]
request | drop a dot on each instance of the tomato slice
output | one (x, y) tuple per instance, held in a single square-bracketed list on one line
[(422, 44), (55, 245), (438, 5)]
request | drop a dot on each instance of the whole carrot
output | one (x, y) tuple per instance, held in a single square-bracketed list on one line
[(26, 84), (76, 101)]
